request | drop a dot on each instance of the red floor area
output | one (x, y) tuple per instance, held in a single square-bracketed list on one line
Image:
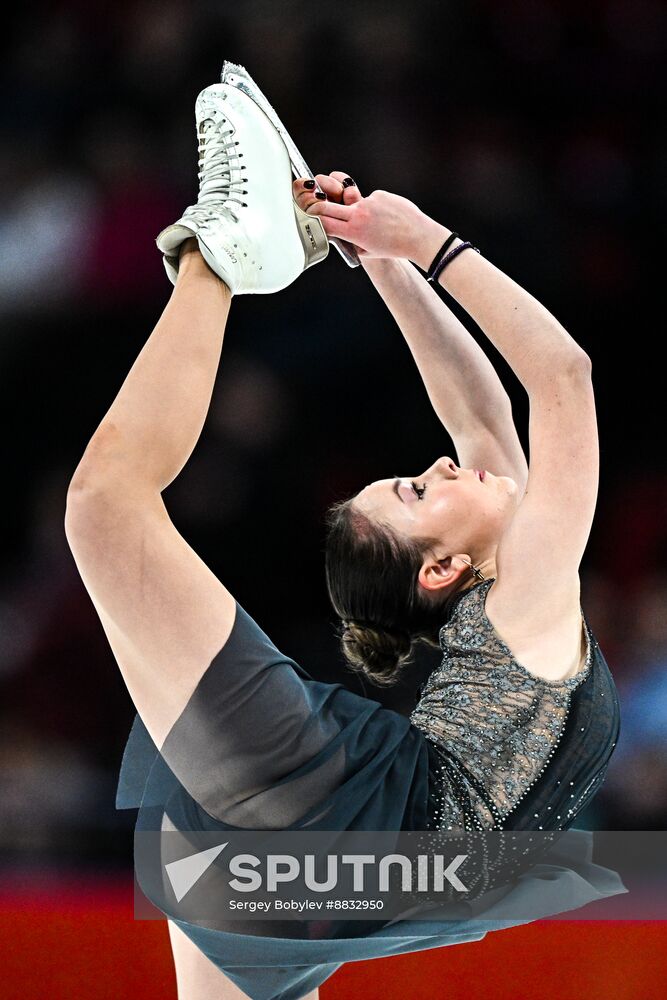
[(79, 941)]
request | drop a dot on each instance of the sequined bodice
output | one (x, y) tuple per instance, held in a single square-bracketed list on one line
[(493, 726)]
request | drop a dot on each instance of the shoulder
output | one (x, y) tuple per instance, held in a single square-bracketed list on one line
[(552, 646), (556, 650), (465, 607)]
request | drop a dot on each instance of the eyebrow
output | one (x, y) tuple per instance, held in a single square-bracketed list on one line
[(396, 483)]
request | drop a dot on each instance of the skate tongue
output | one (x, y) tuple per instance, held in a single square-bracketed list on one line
[(210, 206), (216, 205), (217, 198), (221, 186), (171, 238)]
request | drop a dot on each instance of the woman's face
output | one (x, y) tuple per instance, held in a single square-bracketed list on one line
[(467, 510)]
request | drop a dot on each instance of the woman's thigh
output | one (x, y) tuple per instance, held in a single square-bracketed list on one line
[(164, 612), (198, 978)]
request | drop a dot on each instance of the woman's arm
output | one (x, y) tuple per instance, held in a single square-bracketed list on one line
[(460, 380), (521, 328), (462, 384), (538, 557)]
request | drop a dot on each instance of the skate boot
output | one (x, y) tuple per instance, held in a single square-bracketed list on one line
[(249, 229)]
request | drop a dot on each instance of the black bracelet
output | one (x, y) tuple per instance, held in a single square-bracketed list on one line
[(442, 264), (440, 254)]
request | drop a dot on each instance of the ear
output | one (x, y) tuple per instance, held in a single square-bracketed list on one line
[(438, 574)]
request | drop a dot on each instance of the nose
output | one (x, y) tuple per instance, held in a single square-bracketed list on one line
[(445, 467)]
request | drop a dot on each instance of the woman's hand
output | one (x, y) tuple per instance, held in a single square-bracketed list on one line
[(381, 225)]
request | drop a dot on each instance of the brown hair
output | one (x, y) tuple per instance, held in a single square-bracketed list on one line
[(372, 579)]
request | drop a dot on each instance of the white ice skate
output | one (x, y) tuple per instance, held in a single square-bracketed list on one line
[(249, 229), (237, 76)]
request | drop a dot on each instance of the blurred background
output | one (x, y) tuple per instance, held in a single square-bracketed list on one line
[(534, 127)]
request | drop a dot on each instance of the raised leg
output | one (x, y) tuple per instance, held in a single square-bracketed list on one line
[(164, 612)]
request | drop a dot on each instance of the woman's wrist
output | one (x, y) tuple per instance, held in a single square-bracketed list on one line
[(380, 266), (427, 241)]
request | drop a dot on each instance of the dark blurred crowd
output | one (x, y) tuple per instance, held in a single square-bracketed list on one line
[(534, 128)]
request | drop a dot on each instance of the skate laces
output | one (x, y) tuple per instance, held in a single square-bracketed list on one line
[(221, 179)]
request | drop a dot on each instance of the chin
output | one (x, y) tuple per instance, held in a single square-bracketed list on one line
[(512, 491), (509, 484)]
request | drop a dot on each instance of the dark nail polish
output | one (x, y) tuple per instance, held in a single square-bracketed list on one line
[(348, 182), (309, 184), (321, 195)]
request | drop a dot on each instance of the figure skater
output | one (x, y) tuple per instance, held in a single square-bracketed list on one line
[(478, 555)]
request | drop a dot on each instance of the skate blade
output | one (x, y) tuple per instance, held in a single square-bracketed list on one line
[(237, 76)]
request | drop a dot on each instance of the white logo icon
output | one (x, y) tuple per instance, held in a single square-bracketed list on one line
[(183, 874)]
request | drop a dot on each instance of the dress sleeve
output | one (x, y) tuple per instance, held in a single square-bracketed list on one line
[(262, 745)]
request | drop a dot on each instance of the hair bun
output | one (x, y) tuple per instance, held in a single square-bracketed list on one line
[(378, 653)]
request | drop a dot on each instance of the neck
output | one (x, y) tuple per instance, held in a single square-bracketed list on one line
[(485, 567)]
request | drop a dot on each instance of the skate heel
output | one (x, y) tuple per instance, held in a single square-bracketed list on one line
[(313, 237)]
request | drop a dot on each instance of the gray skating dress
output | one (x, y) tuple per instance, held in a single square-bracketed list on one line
[(261, 745)]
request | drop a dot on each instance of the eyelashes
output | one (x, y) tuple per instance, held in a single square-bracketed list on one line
[(418, 490)]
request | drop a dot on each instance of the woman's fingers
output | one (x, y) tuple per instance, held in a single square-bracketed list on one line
[(337, 186), (332, 210), (381, 225), (349, 190), (331, 187), (304, 193), (328, 204), (334, 228), (304, 190)]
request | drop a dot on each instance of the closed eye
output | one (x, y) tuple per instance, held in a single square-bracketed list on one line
[(417, 490)]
